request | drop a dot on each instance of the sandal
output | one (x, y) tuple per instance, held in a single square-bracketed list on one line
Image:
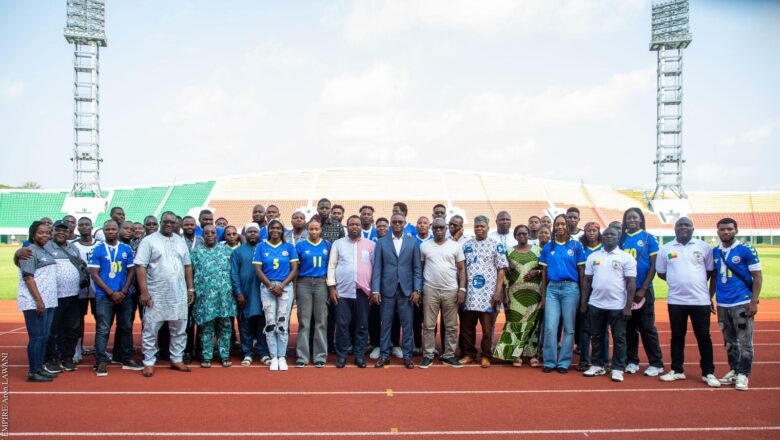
[(226, 362), (535, 363), (517, 363), (205, 364)]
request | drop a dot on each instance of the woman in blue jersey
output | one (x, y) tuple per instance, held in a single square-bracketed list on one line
[(276, 264), (562, 261), (591, 242), (635, 240), (312, 297)]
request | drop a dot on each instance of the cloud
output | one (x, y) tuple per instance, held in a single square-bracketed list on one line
[(9, 90), (277, 56), (380, 86), (367, 20), (706, 174), (756, 135)]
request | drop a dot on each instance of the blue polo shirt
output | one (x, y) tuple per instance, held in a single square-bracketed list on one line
[(640, 245), (314, 258), (117, 260), (562, 259), (729, 289), (370, 234), (275, 259), (410, 229), (220, 232)]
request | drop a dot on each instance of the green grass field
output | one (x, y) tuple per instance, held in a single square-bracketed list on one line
[(770, 262)]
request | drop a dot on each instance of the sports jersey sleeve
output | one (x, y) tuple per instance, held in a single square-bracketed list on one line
[(293, 253), (258, 257), (581, 257), (545, 255), (130, 257), (751, 259), (652, 245), (94, 260)]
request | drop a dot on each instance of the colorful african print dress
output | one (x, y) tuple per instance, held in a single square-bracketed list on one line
[(211, 277), (519, 337)]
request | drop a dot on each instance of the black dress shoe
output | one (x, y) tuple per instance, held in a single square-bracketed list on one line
[(341, 362), (547, 370), (408, 363), (360, 363), (563, 370), (382, 362)]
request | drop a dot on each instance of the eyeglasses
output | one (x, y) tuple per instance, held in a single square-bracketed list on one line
[(169, 222)]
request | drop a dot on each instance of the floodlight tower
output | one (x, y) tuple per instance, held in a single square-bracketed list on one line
[(85, 29), (671, 34)]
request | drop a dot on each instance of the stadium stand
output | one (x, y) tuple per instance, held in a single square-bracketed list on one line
[(18, 209), (463, 192)]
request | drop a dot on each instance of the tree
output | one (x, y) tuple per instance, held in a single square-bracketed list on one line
[(30, 185)]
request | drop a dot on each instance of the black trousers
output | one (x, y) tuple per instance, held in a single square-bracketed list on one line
[(66, 326), (642, 324), (700, 321)]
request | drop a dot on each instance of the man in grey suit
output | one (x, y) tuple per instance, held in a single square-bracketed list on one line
[(396, 282)]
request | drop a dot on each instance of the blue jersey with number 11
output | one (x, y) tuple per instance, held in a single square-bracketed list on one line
[(314, 258)]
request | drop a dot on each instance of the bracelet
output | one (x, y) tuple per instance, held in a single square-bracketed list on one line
[(190, 290), (461, 289)]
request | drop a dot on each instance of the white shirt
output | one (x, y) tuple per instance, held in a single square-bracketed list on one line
[(507, 240), (578, 234), (397, 242), (441, 270), (609, 271), (686, 268), (533, 241)]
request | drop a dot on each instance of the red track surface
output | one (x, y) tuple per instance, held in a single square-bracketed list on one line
[(439, 402)]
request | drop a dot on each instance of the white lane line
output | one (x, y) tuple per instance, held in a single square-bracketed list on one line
[(14, 331), (377, 393), (402, 433)]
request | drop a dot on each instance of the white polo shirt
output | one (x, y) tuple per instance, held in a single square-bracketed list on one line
[(686, 268), (609, 271)]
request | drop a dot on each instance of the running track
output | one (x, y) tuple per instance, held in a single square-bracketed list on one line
[(501, 402)]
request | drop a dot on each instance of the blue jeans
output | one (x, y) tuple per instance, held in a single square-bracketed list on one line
[(277, 319), (105, 311), (251, 334), (390, 305), (600, 321), (351, 311), (561, 302), (38, 329)]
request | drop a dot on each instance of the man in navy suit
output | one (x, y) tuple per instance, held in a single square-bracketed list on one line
[(396, 282)]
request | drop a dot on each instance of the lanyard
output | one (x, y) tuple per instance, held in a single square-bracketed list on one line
[(108, 255)]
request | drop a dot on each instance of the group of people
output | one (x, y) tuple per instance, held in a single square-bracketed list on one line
[(382, 288)]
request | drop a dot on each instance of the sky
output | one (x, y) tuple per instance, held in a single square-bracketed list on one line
[(191, 90)]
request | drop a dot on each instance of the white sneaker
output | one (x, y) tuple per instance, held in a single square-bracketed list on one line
[(275, 364), (741, 382), (397, 352), (594, 370), (632, 368), (729, 378), (653, 371), (247, 361), (282, 364), (671, 376), (617, 376), (375, 353), (266, 360), (711, 381), (77, 355)]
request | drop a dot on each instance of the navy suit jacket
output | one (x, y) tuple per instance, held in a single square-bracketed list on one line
[(390, 269)]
